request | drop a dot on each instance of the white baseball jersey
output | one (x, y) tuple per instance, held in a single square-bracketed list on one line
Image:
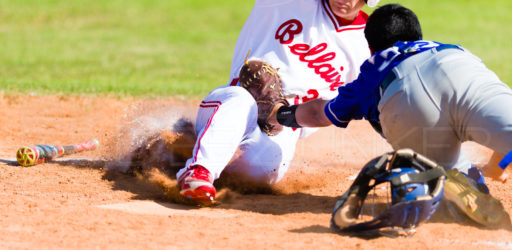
[(315, 50)]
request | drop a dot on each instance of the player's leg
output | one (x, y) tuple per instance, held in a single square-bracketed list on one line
[(479, 107), (225, 117), (488, 117), (264, 158), (478, 110)]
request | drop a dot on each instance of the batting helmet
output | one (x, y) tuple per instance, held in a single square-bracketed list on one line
[(414, 183)]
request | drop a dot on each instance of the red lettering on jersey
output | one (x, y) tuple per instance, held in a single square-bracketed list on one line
[(312, 95), (334, 86), (320, 64), (316, 57), (287, 31), (336, 83)]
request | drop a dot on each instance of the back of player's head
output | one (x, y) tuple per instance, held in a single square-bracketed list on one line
[(389, 24)]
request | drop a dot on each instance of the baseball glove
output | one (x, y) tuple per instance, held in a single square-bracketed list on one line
[(264, 84)]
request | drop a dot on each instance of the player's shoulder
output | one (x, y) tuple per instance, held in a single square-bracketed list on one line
[(381, 57)]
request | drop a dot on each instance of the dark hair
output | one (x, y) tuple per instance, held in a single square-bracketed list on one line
[(389, 24)]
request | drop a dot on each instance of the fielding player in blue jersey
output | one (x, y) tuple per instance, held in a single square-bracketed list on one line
[(422, 95)]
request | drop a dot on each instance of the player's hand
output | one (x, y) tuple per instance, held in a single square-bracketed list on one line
[(272, 118), (493, 171)]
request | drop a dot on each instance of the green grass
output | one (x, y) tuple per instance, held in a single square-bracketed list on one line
[(124, 47), (183, 47)]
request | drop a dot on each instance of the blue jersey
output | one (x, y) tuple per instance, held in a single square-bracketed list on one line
[(360, 99)]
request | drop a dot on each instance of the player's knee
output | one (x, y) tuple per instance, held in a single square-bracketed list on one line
[(240, 98)]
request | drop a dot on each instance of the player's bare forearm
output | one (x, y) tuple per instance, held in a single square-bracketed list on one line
[(311, 114), (493, 170)]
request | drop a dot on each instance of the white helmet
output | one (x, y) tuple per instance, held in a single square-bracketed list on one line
[(372, 3)]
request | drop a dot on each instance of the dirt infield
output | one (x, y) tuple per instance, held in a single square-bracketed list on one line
[(75, 202)]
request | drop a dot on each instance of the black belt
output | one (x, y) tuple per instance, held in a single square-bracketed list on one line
[(391, 76)]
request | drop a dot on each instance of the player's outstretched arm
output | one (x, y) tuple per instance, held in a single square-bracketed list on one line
[(310, 114)]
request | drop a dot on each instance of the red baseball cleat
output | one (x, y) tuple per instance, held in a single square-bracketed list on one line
[(197, 184)]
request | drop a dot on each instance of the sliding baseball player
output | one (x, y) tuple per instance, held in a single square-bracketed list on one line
[(316, 46)]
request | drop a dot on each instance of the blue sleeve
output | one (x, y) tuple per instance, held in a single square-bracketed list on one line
[(355, 100)]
